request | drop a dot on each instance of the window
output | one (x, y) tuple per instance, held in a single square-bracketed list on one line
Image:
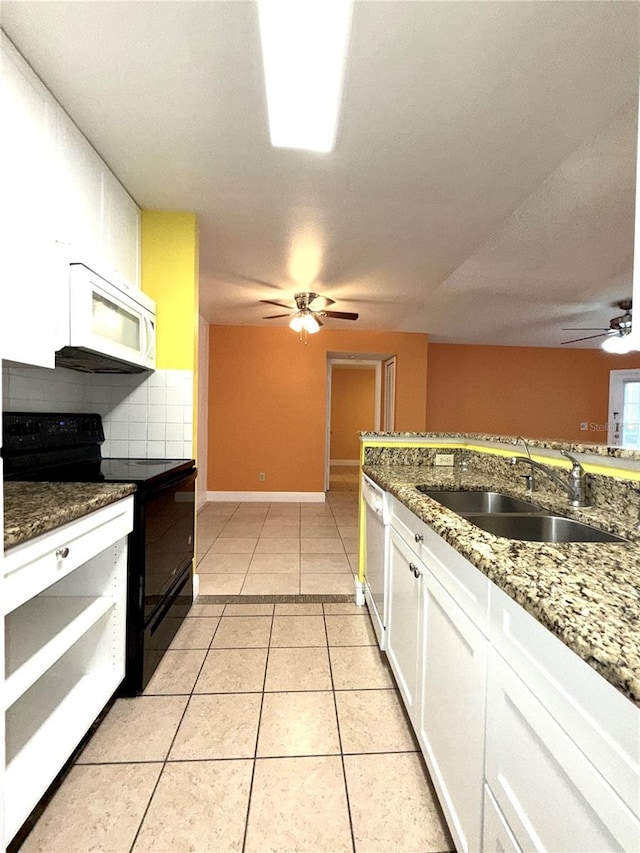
[(624, 409)]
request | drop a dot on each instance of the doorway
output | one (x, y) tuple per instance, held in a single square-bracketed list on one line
[(354, 403), (624, 409)]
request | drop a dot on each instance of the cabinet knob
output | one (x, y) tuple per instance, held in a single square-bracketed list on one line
[(417, 571), (61, 553), (419, 537)]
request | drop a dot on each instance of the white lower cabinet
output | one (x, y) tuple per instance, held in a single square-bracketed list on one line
[(551, 796), (404, 641), (527, 746), (452, 711), (64, 647), (496, 835)]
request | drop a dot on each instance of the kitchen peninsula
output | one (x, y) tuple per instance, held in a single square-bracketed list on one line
[(518, 661)]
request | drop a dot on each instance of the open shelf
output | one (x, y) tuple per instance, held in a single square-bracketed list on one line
[(45, 725), (40, 632)]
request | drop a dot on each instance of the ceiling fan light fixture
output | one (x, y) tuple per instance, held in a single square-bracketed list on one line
[(310, 324), (619, 344), (296, 322), (304, 48)]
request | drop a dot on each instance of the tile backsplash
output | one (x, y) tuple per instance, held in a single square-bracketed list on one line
[(147, 415)]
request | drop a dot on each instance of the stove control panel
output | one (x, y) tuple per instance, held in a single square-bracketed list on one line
[(28, 431)]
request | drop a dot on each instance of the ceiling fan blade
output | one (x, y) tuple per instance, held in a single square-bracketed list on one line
[(275, 316), (339, 315), (319, 302), (279, 304), (588, 338), (584, 329)]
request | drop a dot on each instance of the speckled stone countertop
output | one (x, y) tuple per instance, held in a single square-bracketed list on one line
[(31, 509), (586, 593), (546, 443)]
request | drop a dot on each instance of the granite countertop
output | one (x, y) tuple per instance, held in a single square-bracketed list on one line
[(31, 509), (586, 593), (603, 450)]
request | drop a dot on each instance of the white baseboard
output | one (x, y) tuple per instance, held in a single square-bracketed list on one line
[(267, 497), (349, 462), (201, 500)]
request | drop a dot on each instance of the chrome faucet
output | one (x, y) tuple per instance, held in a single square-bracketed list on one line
[(528, 478), (576, 487)]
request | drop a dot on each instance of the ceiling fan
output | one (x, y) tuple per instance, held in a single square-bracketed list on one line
[(309, 309), (619, 327)]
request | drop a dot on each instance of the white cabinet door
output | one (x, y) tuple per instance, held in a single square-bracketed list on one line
[(121, 229), (496, 835), (101, 220), (81, 193), (452, 711), (551, 796), (404, 626), (28, 255)]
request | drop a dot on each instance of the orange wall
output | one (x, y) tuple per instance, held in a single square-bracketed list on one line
[(353, 400), (539, 393), (267, 401)]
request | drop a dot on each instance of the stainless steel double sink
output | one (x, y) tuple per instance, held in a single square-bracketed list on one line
[(513, 518)]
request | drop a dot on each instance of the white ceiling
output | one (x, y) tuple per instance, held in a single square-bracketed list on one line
[(482, 185)]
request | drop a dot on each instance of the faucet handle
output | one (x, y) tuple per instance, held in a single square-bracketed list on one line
[(576, 464)]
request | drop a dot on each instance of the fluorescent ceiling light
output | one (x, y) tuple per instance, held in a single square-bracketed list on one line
[(304, 46)]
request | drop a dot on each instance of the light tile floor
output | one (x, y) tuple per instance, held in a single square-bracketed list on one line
[(265, 728), (282, 548)]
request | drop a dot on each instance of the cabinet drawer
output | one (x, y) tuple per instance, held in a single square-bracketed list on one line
[(551, 796), (463, 581), (603, 723), (33, 566)]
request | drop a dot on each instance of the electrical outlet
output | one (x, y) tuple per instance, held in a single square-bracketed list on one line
[(262, 476), (444, 458)]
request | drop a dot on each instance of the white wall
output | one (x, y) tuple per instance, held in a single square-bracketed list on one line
[(203, 410), (146, 415)]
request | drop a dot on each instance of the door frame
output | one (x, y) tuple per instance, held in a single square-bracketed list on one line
[(348, 362), (617, 379)]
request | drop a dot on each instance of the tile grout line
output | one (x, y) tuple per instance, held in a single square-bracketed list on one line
[(255, 751), (335, 708), (173, 739)]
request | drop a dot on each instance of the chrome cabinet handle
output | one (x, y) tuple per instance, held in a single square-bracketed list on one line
[(417, 571), (419, 537), (61, 553)]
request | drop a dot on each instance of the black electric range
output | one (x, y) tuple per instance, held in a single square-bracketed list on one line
[(66, 447)]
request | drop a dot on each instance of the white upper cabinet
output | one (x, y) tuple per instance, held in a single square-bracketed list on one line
[(80, 180), (121, 229), (101, 220), (59, 203), (31, 265)]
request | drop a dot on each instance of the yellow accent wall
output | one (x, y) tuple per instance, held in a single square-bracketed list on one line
[(170, 276)]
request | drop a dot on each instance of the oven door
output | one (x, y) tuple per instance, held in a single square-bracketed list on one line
[(168, 522), (160, 591)]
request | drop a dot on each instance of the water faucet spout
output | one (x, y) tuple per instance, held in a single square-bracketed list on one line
[(575, 487)]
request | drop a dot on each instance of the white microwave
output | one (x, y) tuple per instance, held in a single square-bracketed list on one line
[(111, 327)]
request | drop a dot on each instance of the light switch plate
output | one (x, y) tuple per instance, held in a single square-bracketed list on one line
[(444, 458)]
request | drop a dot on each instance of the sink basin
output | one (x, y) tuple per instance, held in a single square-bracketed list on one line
[(541, 528), (464, 502)]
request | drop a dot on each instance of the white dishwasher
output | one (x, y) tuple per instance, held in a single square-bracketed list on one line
[(376, 522)]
